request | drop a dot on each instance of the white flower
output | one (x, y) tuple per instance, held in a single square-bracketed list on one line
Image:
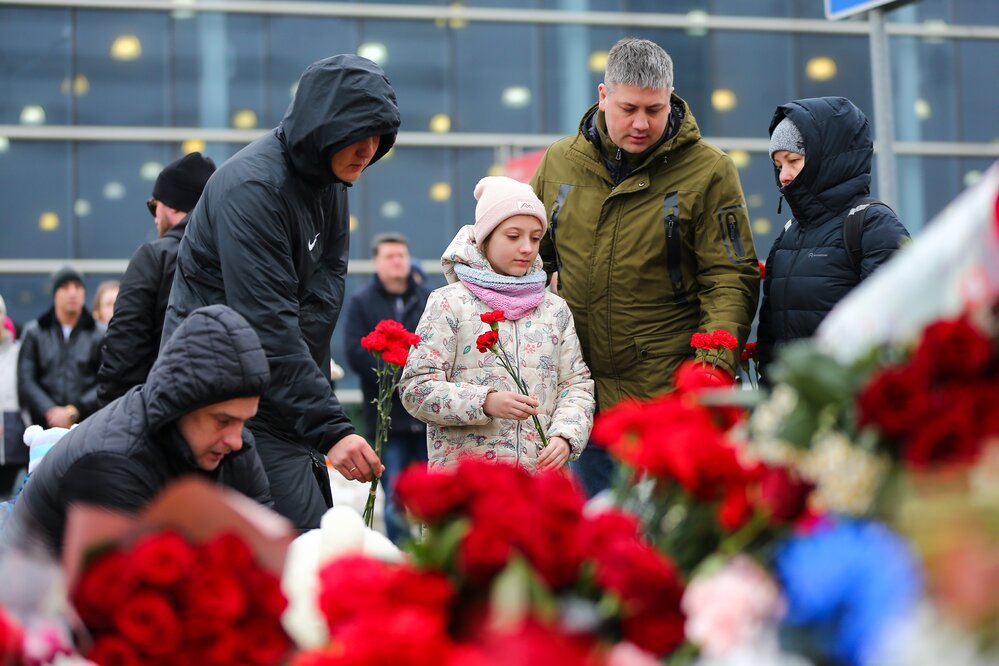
[(341, 532), (847, 477)]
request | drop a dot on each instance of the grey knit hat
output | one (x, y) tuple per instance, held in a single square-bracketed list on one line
[(786, 137)]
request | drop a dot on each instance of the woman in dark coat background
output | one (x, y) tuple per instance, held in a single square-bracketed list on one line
[(821, 149)]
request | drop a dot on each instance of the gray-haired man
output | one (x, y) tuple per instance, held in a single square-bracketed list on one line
[(648, 232)]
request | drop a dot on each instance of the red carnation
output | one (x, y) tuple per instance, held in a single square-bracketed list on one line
[(429, 496), (11, 639), (763, 270), (375, 342), (748, 352), (702, 341), (723, 338), (487, 341), (495, 316), (396, 356)]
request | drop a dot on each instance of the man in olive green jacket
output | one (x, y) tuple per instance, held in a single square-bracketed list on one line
[(649, 232)]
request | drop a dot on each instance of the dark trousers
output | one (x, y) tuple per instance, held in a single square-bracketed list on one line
[(299, 478), (401, 451), (595, 469)]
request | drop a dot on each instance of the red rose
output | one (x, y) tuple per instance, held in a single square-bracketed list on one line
[(896, 400), (946, 437), (263, 642), (226, 552), (535, 643), (103, 587), (748, 352), (407, 636), (487, 341), (111, 650), (219, 648), (783, 495), (267, 599), (495, 316), (150, 623), (161, 559), (954, 349), (11, 639), (215, 595)]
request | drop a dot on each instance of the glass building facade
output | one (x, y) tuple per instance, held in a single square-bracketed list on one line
[(95, 97)]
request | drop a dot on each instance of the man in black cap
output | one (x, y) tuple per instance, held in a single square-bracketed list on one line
[(270, 240), (133, 337), (60, 354)]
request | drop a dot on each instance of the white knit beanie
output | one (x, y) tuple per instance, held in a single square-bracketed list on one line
[(500, 198)]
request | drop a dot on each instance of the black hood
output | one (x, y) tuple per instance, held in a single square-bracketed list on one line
[(339, 101), (213, 356), (838, 150)]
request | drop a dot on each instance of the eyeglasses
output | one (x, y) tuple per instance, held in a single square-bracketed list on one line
[(151, 205)]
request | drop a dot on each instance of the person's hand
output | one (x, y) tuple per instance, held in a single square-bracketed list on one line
[(510, 405), (354, 458), (555, 455), (62, 417)]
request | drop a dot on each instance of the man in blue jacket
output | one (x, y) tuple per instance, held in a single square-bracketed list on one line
[(393, 293), (269, 238)]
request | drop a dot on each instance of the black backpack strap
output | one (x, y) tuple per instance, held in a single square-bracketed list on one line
[(853, 230)]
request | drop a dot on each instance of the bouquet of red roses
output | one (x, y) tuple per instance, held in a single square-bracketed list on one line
[(164, 600), (389, 343), (11, 640)]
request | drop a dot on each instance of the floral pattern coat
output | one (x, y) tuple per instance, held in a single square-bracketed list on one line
[(446, 380)]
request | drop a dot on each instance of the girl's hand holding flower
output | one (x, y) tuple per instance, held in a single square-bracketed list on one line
[(510, 405), (555, 455)]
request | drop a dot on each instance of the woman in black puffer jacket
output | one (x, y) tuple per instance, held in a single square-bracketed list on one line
[(821, 149)]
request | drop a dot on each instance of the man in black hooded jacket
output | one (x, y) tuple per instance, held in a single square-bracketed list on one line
[(187, 419), (269, 238)]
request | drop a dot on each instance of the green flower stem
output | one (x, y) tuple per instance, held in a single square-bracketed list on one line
[(505, 361), (387, 374), (745, 535)]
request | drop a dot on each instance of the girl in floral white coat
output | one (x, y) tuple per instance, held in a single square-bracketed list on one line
[(467, 398)]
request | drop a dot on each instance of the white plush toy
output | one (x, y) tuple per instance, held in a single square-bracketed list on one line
[(341, 532), (40, 440)]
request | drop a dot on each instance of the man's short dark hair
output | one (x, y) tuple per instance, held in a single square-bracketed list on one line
[(388, 237)]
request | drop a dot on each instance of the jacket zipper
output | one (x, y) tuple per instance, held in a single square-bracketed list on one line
[(671, 206), (790, 272)]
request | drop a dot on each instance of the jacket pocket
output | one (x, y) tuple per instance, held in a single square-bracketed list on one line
[(671, 226), (651, 347), (728, 222)]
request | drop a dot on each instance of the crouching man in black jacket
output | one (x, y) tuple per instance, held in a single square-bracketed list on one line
[(187, 419)]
